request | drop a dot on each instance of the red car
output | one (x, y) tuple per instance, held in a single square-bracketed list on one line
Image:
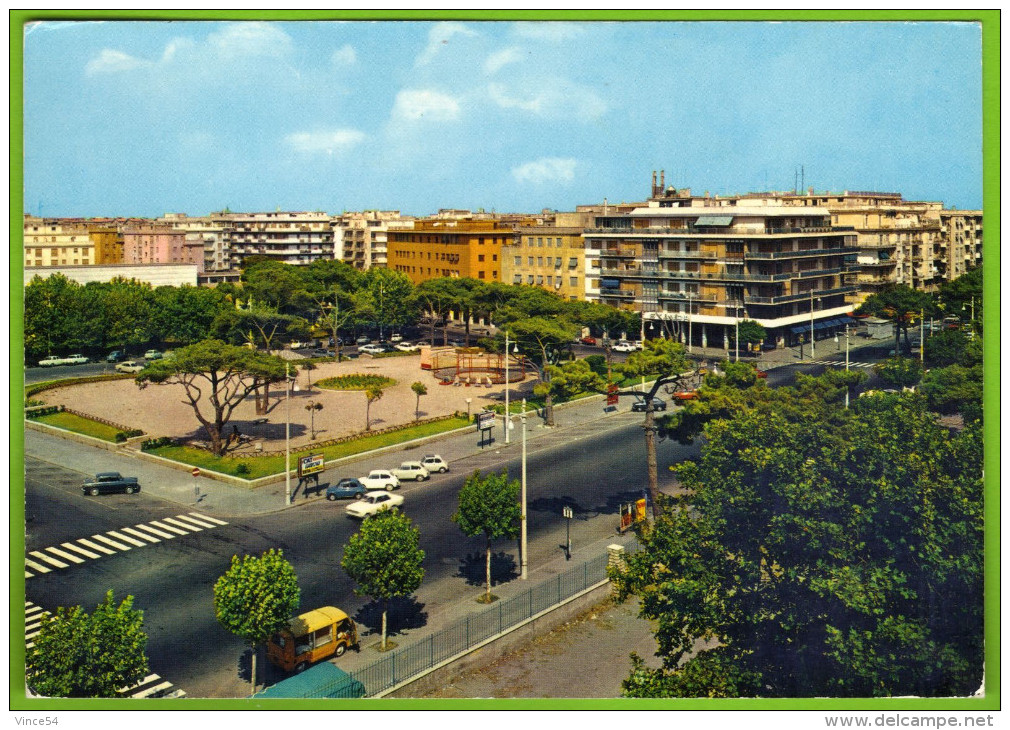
[(588, 340), (685, 395), (761, 373)]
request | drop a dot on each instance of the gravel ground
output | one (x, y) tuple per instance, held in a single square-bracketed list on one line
[(586, 657), (161, 410)]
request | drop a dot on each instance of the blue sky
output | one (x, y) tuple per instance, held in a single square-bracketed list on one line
[(144, 118)]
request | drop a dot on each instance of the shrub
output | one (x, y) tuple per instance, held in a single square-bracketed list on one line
[(355, 382), (157, 443), (242, 470), (598, 364)]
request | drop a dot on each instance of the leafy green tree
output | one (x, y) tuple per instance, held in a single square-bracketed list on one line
[(954, 389), (751, 332), (53, 319), (489, 506), (901, 372), (435, 296), (902, 305), (384, 559), (953, 347), (571, 379), (373, 392), (962, 295), (543, 339), (666, 362), (80, 655), (817, 552), (419, 389), (182, 315), (274, 284), (217, 374), (386, 299), (256, 598)]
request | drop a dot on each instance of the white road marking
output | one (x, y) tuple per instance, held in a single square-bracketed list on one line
[(151, 691), (51, 561), (192, 528), (114, 544), (209, 519), (138, 533), (64, 554), (82, 551), (35, 566), (168, 527), (159, 533), (125, 538), (93, 546)]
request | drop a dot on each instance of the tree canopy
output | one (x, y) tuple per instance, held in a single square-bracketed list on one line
[(76, 654), (384, 559), (817, 551), (489, 506), (256, 598)]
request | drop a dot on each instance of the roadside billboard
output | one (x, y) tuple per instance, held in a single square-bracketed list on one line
[(311, 464)]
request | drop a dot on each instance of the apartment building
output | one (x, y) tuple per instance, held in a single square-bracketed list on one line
[(960, 246), (360, 239), (288, 237), (695, 266), (69, 242), (151, 243), (450, 247), (211, 232), (550, 256)]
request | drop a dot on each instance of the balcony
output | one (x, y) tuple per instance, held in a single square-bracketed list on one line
[(819, 294), (765, 255)]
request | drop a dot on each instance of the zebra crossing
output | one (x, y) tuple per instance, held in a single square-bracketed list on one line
[(840, 363), (111, 542), (150, 686)]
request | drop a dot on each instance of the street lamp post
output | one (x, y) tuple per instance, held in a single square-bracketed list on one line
[(811, 324), (287, 434), (523, 559), (508, 420), (689, 323), (846, 365)]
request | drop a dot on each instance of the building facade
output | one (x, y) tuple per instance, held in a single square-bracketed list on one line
[(960, 246), (360, 239), (288, 237), (696, 267), (69, 242), (156, 244), (549, 256), (451, 248), (153, 274)]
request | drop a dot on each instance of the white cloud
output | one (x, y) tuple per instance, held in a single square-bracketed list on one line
[(439, 36), (502, 58), (550, 99), (415, 104), (546, 170), (110, 61), (327, 142), (344, 56), (545, 30), (249, 39)]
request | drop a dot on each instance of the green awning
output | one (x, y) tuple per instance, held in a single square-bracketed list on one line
[(714, 220)]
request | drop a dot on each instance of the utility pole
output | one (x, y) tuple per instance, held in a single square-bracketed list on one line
[(846, 365), (811, 324), (524, 560), (688, 322), (508, 416), (287, 434)]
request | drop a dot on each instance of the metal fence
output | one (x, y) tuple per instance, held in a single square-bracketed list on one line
[(402, 664)]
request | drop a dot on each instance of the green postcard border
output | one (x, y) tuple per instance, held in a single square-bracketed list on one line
[(989, 20)]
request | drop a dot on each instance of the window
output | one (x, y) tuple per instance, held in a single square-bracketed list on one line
[(540, 260), (573, 281), (550, 280), (518, 261), (540, 242), (529, 261), (494, 257), (517, 279), (480, 257), (529, 278), (557, 262), (540, 279)]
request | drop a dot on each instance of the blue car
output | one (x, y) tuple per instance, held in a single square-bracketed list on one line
[(344, 489)]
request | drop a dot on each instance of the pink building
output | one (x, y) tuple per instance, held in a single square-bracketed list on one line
[(152, 244)]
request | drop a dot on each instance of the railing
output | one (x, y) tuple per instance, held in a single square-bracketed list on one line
[(460, 637), (818, 294), (796, 254)]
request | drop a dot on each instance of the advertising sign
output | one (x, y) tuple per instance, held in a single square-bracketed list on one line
[(311, 464), (612, 394), (485, 419)]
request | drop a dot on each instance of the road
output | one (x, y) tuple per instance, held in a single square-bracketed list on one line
[(591, 468)]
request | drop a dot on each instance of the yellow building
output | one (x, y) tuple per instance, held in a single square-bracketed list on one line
[(549, 256), (70, 242), (449, 248)]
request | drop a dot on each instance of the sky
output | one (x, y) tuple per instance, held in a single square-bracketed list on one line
[(131, 118)]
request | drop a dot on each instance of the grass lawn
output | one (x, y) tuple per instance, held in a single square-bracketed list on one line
[(85, 426), (257, 467)]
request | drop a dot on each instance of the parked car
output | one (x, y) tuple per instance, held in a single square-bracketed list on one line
[(761, 373), (683, 395), (50, 361), (346, 488), (410, 470), (363, 340), (116, 356), (396, 337), (623, 346), (372, 349), (312, 637), (380, 479), (658, 404), (299, 344), (322, 352), (130, 366), (110, 482), (373, 503), (153, 355), (408, 347), (434, 462), (588, 340)]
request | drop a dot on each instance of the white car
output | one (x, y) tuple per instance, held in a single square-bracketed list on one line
[(396, 337), (372, 349), (407, 347), (130, 366), (623, 346), (372, 503), (380, 479), (52, 361), (434, 462), (410, 470)]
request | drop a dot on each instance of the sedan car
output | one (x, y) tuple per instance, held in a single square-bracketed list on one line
[(372, 349), (380, 479), (115, 356), (153, 355), (623, 346), (373, 503), (658, 404), (130, 366), (408, 347), (110, 482), (346, 488), (363, 340), (410, 470), (76, 360), (588, 340), (683, 395), (51, 361), (434, 462)]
